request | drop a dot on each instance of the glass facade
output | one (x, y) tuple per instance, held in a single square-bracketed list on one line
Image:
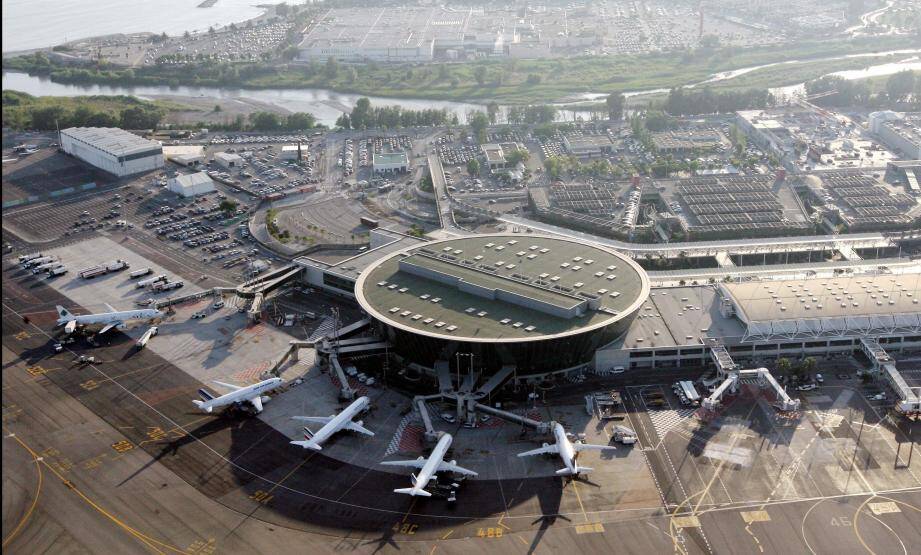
[(529, 357)]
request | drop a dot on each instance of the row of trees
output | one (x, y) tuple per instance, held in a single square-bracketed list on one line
[(270, 121), (21, 111), (832, 90), (366, 116), (682, 102)]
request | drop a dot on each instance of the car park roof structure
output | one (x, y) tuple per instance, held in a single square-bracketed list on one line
[(495, 288)]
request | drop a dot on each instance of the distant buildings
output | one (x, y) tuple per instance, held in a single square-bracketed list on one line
[(589, 146), (113, 150), (681, 142), (901, 132), (497, 154)]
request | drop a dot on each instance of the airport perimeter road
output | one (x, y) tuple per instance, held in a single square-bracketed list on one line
[(445, 213)]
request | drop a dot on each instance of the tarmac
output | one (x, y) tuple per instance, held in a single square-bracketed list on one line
[(113, 457)]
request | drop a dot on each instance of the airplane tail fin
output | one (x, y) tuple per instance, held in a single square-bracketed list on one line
[(205, 395), (308, 434), (413, 491), (202, 405), (63, 312)]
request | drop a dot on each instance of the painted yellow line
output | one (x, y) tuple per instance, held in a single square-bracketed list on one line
[(522, 540), (579, 497), (856, 529), (409, 510), (146, 540), (288, 475), (38, 491), (448, 534)]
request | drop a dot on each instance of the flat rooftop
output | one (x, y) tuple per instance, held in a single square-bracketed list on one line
[(556, 272), (113, 140), (391, 158), (883, 295)]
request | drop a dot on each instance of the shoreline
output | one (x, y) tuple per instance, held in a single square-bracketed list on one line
[(266, 10)]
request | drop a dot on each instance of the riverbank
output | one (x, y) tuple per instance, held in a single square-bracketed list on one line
[(504, 81)]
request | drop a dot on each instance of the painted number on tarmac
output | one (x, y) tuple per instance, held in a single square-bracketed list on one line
[(405, 528), (89, 385), (491, 532), (841, 521), (123, 446), (22, 336), (202, 547), (262, 497), (36, 370)]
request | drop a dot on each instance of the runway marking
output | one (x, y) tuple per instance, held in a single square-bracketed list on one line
[(38, 491), (748, 529), (755, 516), (885, 507), (575, 488), (591, 528), (143, 538), (448, 534)]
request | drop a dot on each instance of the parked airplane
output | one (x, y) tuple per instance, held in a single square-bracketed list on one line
[(428, 467), (109, 320), (567, 450), (142, 341), (251, 394), (333, 424)]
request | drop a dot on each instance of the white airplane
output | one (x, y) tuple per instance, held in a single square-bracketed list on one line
[(333, 424), (109, 320), (567, 450), (144, 339), (251, 394), (428, 467)]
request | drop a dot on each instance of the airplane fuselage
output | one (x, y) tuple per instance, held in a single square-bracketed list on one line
[(567, 452), (339, 421), (431, 465), (242, 395), (111, 317)]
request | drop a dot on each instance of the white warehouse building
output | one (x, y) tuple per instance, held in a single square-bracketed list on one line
[(113, 150), (190, 185)]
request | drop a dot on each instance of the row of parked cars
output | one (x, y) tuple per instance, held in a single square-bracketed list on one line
[(246, 139)]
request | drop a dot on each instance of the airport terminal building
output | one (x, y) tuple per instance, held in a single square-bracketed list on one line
[(487, 302)]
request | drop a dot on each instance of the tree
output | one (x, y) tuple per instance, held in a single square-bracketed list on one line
[(808, 366), (709, 41), (900, 85), (518, 155), (228, 206), (492, 110), (217, 108), (478, 123), (479, 73), (533, 79), (138, 117), (264, 121), (615, 104), (332, 67), (473, 167), (300, 120), (344, 121), (361, 113), (783, 366)]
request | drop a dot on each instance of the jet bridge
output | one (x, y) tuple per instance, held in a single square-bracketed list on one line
[(732, 374)]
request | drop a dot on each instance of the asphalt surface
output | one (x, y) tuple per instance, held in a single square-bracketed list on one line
[(113, 457)]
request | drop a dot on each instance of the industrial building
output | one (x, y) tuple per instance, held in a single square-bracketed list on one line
[(112, 150), (190, 185), (589, 146), (497, 154), (293, 152), (390, 162), (901, 132), (681, 142), (228, 160)]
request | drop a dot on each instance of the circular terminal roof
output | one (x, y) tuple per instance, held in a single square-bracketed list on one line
[(502, 288)]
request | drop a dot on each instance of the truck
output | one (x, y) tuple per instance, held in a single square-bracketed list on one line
[(38, 261), (116, 265), (625, 435), (92, 271), (44, 267), (140, 273), (370, 223), (149, 282), (168, 286), (57, 270), (23, 258)]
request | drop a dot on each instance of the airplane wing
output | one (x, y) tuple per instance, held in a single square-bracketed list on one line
[(418, 463), (545, 450), (323, 420), (356, 427), (589, 447), (257, 403), (108, 327), (228, 385), (451, 467), (111, 309)]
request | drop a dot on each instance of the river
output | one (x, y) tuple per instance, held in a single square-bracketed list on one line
[(324, 104), (327, 105), (29, 24)]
